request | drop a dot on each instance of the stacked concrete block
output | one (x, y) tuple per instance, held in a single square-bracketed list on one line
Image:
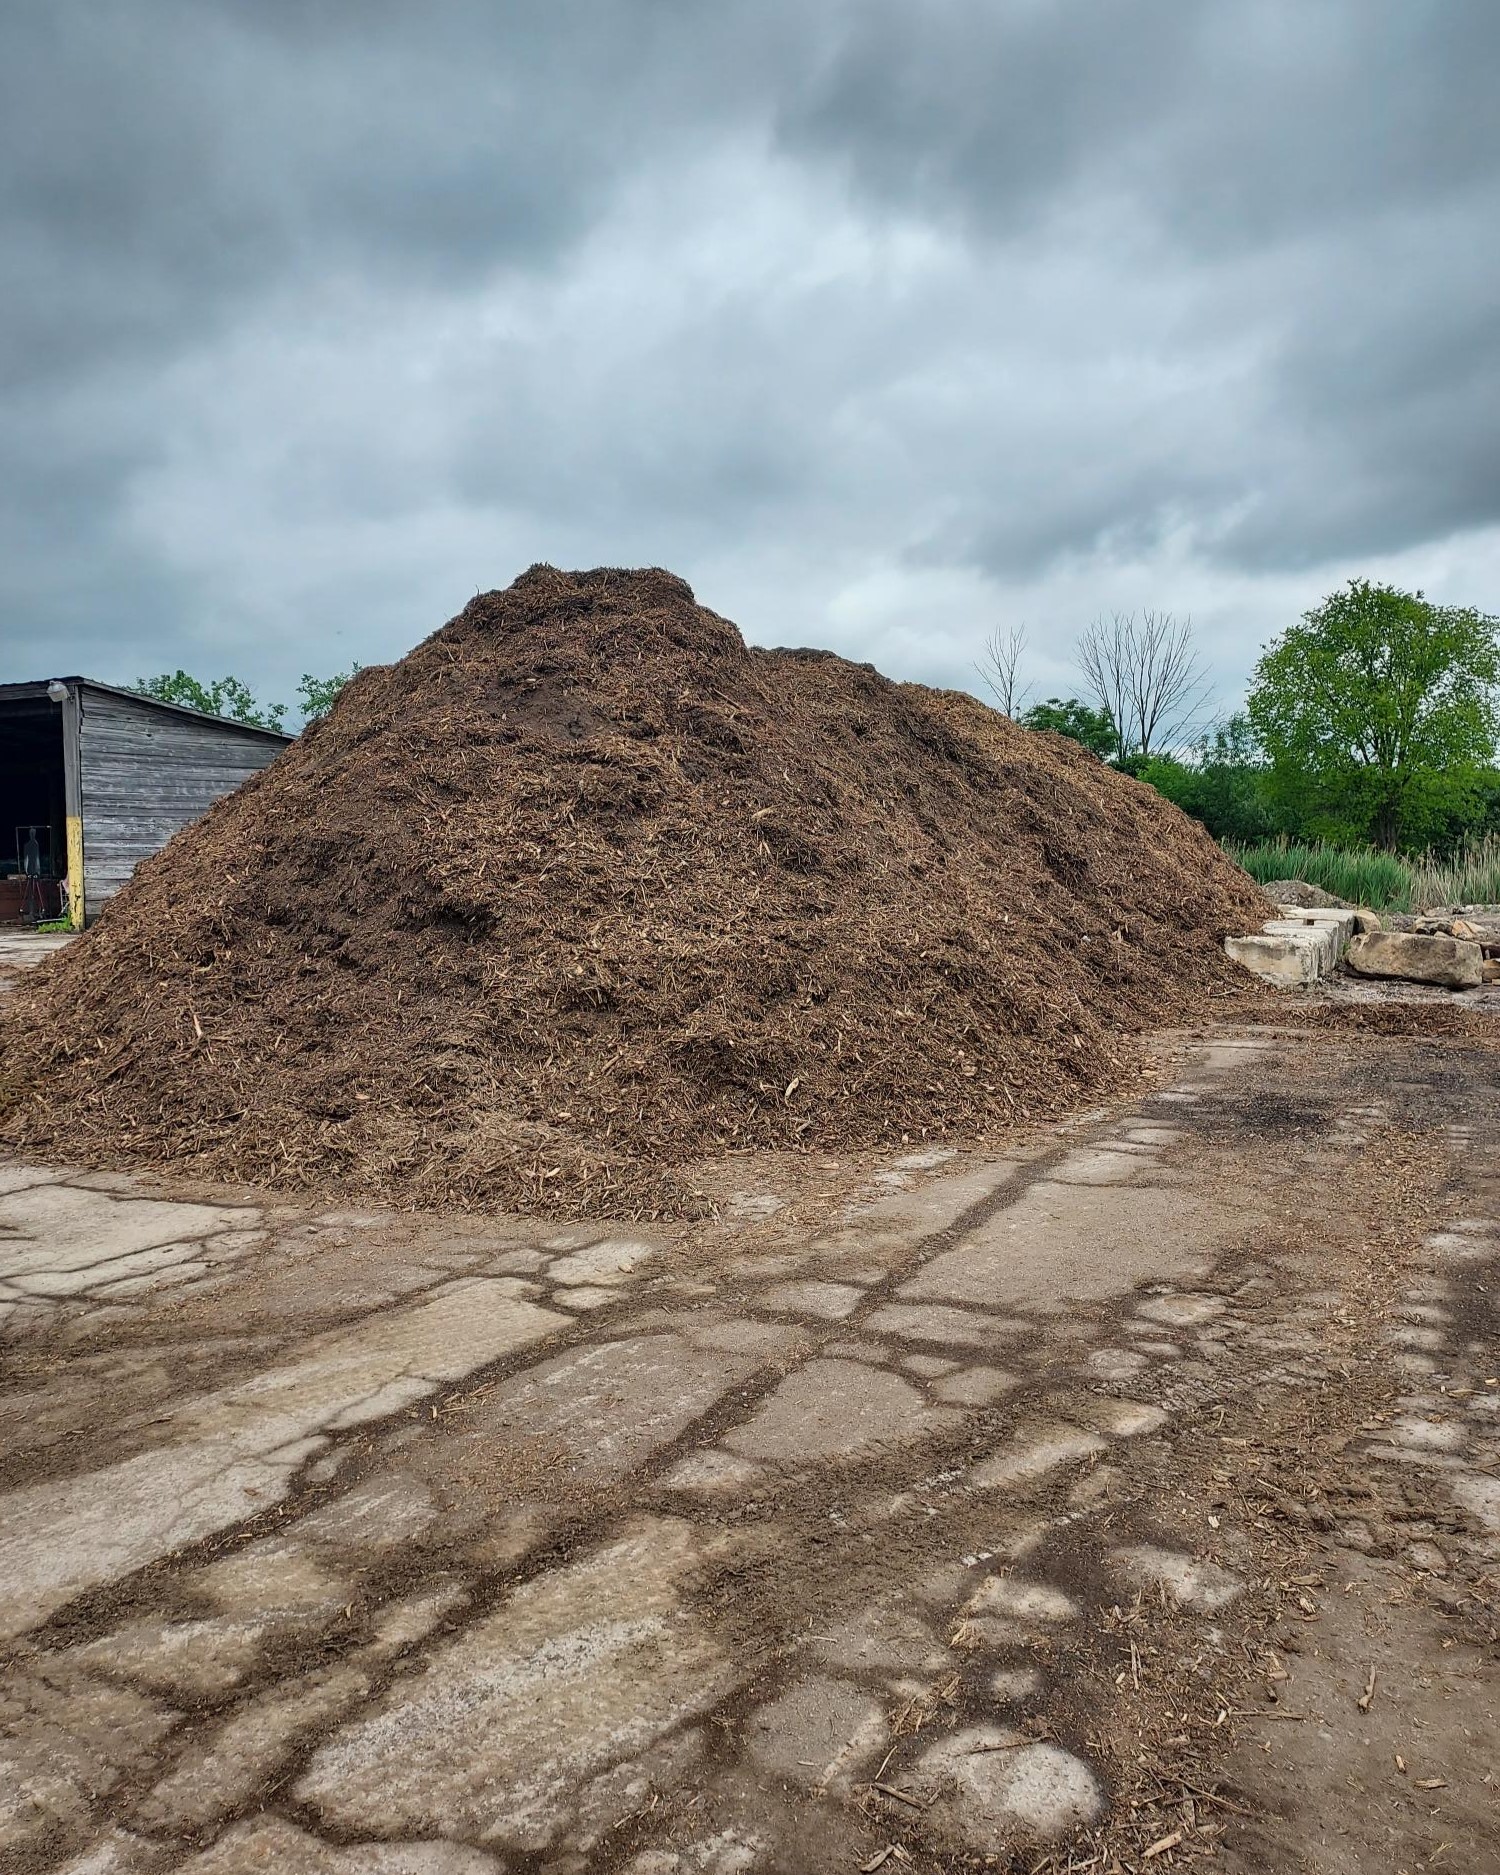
[(1298, 947)]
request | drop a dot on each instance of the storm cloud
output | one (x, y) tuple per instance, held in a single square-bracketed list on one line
[(884, 324)]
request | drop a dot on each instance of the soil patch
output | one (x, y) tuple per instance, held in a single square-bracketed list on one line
[(585, 889)]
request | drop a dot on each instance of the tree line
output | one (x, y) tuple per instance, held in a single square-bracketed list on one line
[(1372, 721), (232, 698)]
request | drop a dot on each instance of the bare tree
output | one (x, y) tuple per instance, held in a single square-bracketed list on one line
[(999, 666), (1146, 672)]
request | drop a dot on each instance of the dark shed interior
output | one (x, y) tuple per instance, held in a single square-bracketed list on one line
[(31, 799)]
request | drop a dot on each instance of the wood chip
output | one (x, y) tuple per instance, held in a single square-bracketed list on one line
[(1430, 1783), (901, 1796), (1163, 1844)]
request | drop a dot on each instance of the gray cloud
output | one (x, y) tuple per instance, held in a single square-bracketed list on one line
[(879, 322)]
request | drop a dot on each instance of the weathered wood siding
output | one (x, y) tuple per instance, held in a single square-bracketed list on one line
[(146, 772)]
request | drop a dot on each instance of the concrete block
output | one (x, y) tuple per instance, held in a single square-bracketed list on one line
[(1450, 963), (1289, 960), (1342, 924), (1325, 940)]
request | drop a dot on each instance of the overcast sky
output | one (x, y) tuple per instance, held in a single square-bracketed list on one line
[(883, 324)]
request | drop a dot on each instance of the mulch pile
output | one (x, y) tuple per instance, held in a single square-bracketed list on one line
[(585, 890)]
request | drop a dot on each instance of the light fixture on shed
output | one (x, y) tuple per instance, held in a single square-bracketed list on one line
[(57, 691)]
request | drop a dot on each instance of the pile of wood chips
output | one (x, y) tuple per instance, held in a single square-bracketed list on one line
[(585, 890)]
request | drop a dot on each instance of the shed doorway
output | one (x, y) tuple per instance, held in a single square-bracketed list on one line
[(33, 813)]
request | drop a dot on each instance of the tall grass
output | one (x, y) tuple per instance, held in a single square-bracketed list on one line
[(1386, 881)]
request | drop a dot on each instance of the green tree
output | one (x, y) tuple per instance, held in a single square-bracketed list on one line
[(1095, 729), (1225, 784), (225, 696), (1378, 714), (317, 694)]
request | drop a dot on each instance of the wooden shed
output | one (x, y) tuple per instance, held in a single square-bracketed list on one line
[(93, 778)]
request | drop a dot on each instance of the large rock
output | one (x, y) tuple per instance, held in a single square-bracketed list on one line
[(1301, 893), (1451, 963)]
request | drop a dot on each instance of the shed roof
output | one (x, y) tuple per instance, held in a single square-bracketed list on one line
[(37, 688)]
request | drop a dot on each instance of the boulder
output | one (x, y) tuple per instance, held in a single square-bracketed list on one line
[(1450, 963), (1366, 920), (1298, 892)]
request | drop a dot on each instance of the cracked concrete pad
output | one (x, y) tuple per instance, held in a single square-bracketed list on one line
[(881, 1638), (852, 1349), (65, 1743), (28, 1177), (928, 1366), (1181, 1311), (199, 1659), (724, 1853), (935, 1205), (1479, 1494), (627, 1789), (223, 1772), (232, 1453), (118, 1853), (378, 1513), (742, 1337), (1021, 1601), (1098, 1166), (1032, 1454), (268, 1844), (602, 1409), (69, 1240), (276, 1577), (1000, 1788), (585, 1298), (1203, 1586), (829, 1302), (816, 1731), (402, 1624), (833, 1409), (580, 1670), (1102, 1412), (1427, 1435), (1059, 1245), (975, 1386), (183, 1269), (713, 1474), (946, 1327), (603, 1265)]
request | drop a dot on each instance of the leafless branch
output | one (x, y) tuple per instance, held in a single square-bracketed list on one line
[(999, 666), (1146, 672)]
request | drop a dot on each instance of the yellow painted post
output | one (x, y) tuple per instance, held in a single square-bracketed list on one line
[(75, 871), (67, 696)]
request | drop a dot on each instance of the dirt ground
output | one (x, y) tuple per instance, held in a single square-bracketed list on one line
[(1131, 1502)]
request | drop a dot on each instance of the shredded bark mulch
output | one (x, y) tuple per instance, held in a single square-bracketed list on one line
[(585, 890)]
